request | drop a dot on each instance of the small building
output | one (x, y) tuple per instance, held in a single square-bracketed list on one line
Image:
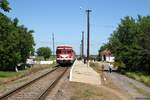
[(30, 60), (106, 55)]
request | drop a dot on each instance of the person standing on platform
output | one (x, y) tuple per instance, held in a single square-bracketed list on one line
[(84, 58), (110, 67)]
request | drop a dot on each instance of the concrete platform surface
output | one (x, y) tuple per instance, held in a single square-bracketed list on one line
[(81, 73)]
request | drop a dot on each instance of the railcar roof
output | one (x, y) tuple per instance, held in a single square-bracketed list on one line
[(64, 46)]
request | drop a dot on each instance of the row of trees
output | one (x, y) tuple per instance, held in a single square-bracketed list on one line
[(16, 41), (45, 52), (130, 44)]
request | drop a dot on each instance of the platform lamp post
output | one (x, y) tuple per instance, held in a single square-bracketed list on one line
[(88, 35)]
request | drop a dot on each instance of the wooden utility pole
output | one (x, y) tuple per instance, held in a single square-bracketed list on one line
[(88, 33), (81, 49), (82, 44)]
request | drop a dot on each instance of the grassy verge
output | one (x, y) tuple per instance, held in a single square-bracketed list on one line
[(139, 76), (83, 91), (6, 76), (96, 67)]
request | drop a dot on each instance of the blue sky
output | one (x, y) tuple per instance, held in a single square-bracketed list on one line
[(67, 19)]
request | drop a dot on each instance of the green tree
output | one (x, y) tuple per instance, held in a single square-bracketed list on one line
[(130, 43), (143, 37), (4, 4), (9, 40), (44, 51), (16, 43), (104, 47), (26, 43), (123, 40)]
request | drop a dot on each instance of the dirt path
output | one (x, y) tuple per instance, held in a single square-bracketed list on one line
[(130, 86), (133, 87)]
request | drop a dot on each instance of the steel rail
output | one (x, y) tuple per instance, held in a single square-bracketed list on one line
[(5, 96), (51, 86)]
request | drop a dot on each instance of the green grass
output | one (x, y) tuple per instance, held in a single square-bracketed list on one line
[(145, 78), (4, 74), (35, 68), (96, 67)]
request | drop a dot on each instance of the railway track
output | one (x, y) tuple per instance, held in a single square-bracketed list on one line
[(37, 88), (51, 86)]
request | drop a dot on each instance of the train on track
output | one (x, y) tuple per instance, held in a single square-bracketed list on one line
[(65, 54)]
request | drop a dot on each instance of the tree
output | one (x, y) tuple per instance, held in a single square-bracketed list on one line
[(16, 43), (104, 47), (44, 51), (26, 43), (4, 4), (130, 43), (122, 40)]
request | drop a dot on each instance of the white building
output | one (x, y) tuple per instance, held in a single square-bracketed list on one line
[(106, 55)]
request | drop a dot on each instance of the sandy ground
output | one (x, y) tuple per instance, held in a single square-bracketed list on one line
[(83, 91), (84, 74)]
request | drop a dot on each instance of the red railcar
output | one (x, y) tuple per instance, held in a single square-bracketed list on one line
[(65, 54)]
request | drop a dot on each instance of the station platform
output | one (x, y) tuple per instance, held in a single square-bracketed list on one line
[(80, 72)]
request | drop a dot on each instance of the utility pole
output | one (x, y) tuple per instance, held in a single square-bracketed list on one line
[(88, 33), (81, 49), (53, 45), (82, 44)]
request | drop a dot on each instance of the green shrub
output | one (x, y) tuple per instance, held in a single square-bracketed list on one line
[(140, 76)]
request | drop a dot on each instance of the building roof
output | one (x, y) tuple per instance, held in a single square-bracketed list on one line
[(106, 52)]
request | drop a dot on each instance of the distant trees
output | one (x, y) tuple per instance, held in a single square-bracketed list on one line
[(16, 43), (4, 5), (44, 52), (130, 43)]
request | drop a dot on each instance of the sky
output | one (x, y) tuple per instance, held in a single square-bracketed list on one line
[(67, 19)]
